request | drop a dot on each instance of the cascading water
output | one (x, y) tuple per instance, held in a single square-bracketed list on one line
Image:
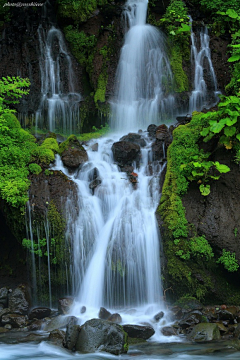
[(59, 106), (203, 95), (144, 77)]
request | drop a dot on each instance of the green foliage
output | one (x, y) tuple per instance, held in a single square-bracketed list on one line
[(225, 124), (82, 45), (180, 78), (95, 134), (35, 169), (79, 10), (176, 21), (229, 261), (16, 144), (101, 89)]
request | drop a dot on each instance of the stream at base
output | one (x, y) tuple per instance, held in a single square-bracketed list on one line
[(148, 351)]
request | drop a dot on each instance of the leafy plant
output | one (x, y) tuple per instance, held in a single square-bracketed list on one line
[(229, 261), (35, 169)]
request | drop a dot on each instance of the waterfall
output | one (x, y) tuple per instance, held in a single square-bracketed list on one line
[(144, 77), (203, 95), (59, 105), (116, 255)]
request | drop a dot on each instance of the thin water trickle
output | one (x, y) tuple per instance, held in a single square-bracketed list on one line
[(59, 105), (203, 95), (144, 78)]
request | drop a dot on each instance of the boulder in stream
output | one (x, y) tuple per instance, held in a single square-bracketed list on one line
[(205, 332), (19, 300), (140, 332), (102, 335)]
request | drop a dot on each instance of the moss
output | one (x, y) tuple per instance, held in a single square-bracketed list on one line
[(71, 141), (50, 143), (35, 169), (180, 77), (101, 89), (126, 345)]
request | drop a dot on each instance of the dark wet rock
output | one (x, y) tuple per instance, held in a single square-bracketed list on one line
[(159, 316), (74, 153), (4, 297), (64, 305), (71, 336), (39, 313), (57, 337), (19, 300), (94, 147), (127, 169), (205, 332), (58, 322), (125, 153), (103, 313), (168, 331), (83, 309), (152, 130), (15, 320), (158, 150), (188, 305), (237, 332), (94, 184), (225, 315), (101, 335), (36, 338), (8, 326), (135, 139), (137, 331), (115, 318), (162, 133), (190, 319), (3, 330), (222, 327), (4, 312), (37, 325)]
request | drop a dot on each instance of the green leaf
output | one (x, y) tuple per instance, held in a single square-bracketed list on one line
[(172, 32), (221, 167), (230, 131), (238, 136), (232, 13), (233, 58), (205, 131), (220, 13), (196, 174), (218, 126), (205, 189), (230, 122)]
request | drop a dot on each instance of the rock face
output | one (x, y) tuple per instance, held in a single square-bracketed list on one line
[(19, 300), (205, 332), (125, 152), (64, 305), (74, 153), (217, 216), (39, 313), (140, 332), (101, 335), (134, 138), (163, 140)]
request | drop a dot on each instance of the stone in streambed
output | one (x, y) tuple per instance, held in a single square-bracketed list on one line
[(19, 300), (205, 332), (104, 313), (64, 305), (137, 331), (102, 335), (39, 313)]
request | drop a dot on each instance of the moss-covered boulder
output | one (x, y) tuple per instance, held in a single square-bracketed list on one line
[(73, 153), (205, 332)]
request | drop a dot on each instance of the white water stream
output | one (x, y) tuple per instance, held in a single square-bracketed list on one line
[(59, 105), (201, 96), (144, 77)]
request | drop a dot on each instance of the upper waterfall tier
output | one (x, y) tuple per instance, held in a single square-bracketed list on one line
[(144, 77), (59, 106)]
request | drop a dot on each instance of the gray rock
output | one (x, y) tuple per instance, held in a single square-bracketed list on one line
[(168, 331), (159, 316), (64, 305), (57, 337), (39, 313), (205, 332), (137, 331), (19, 300), (116, 318), (135, 139), (103, 313), (4, 297), (124, 152), (15, 320), (71, 336), (58, 322), (102, 335)]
